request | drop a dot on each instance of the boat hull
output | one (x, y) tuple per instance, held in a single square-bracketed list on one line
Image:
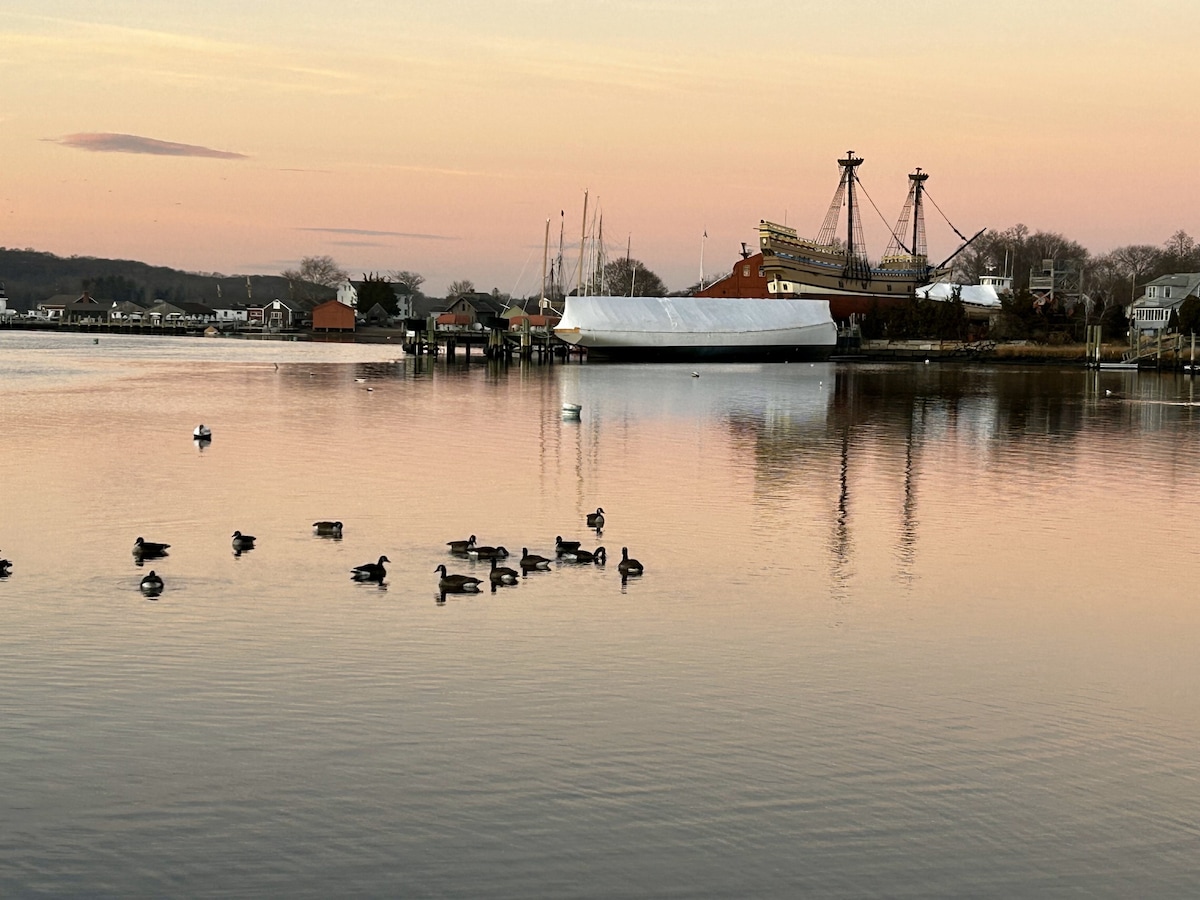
[(685, 328)]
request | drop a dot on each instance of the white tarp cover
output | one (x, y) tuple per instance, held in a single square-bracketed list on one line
[(972, 294), (694, 316)]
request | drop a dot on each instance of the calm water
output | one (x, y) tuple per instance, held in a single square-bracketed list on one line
[(905, 631)]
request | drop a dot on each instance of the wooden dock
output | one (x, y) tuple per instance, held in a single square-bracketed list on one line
[(492, 343)]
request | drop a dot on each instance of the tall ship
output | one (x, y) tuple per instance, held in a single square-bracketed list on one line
[(836, 268)]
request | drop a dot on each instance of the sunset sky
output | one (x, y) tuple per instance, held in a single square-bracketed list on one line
[(440, 136)]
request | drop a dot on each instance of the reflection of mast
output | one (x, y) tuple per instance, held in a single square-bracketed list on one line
[(841, 528), (908, 511)]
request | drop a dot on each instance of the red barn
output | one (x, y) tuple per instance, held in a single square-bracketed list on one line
[(332, 315)]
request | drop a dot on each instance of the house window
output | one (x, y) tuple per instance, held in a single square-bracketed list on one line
[(1167, 293), (745, 271), (1152, 292)]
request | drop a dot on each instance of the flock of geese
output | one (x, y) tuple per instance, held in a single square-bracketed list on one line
[(500, 576), (448, 583)]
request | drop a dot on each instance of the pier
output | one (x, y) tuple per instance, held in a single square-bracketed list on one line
[(525, 343)]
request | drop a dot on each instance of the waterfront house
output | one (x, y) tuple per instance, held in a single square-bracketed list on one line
[(87, 309), (126, 312), (470, 310), (230, 314), (196, 313), (333, 315), (54, 307), (165, 313), (347, 295), (377, 315), (1164, 295), (276, 315)]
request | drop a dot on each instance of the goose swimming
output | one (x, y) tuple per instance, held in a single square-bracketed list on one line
[(489, 552), (599, 556), (152, 583), (501, 574), (149, 549), (461, 546), (562, 547), (596, 519), (328, 528), (370, 571), (243, 541), (5, 565), (628, 566), (530, 561), (456, 584)]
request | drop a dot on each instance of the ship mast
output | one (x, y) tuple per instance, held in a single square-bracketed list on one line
[(912, 213), (857, 266)]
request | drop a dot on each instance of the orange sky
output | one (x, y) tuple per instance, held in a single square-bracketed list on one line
[(440, 137)]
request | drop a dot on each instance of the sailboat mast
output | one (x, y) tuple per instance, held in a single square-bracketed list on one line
[(545, 259), (582, 243)]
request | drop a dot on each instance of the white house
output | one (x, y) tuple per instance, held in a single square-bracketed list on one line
[(347, 293), (1165, 294), (232, 313)]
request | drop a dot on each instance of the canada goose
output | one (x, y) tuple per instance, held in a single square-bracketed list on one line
[(329, 528), (596, 519), (149, 549), (532, 560), (562, 547), (152, 583), (5, 565), (461, 546), (243, 541), (370, 571), (502, 574), (202, 433), (489, 552), (456, 584), (628, 566), (599, 556)]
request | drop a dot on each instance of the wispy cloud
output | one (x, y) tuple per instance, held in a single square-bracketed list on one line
[(367, 232), (104, 142)]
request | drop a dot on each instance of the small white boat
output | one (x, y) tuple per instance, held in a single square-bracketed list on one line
[(571, 410)]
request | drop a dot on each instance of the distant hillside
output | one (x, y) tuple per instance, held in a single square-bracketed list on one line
[(30, 277)]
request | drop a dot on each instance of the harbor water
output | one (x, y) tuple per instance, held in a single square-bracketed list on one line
[(904, 630)]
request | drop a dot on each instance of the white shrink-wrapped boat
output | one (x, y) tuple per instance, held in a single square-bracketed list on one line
[(677, 328)]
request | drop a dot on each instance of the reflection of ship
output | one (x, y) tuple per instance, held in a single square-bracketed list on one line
[(840, 273), (666, 328)]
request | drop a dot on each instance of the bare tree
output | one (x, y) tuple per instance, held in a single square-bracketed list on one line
[(458, 288), (406, 282), (314, 272)]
